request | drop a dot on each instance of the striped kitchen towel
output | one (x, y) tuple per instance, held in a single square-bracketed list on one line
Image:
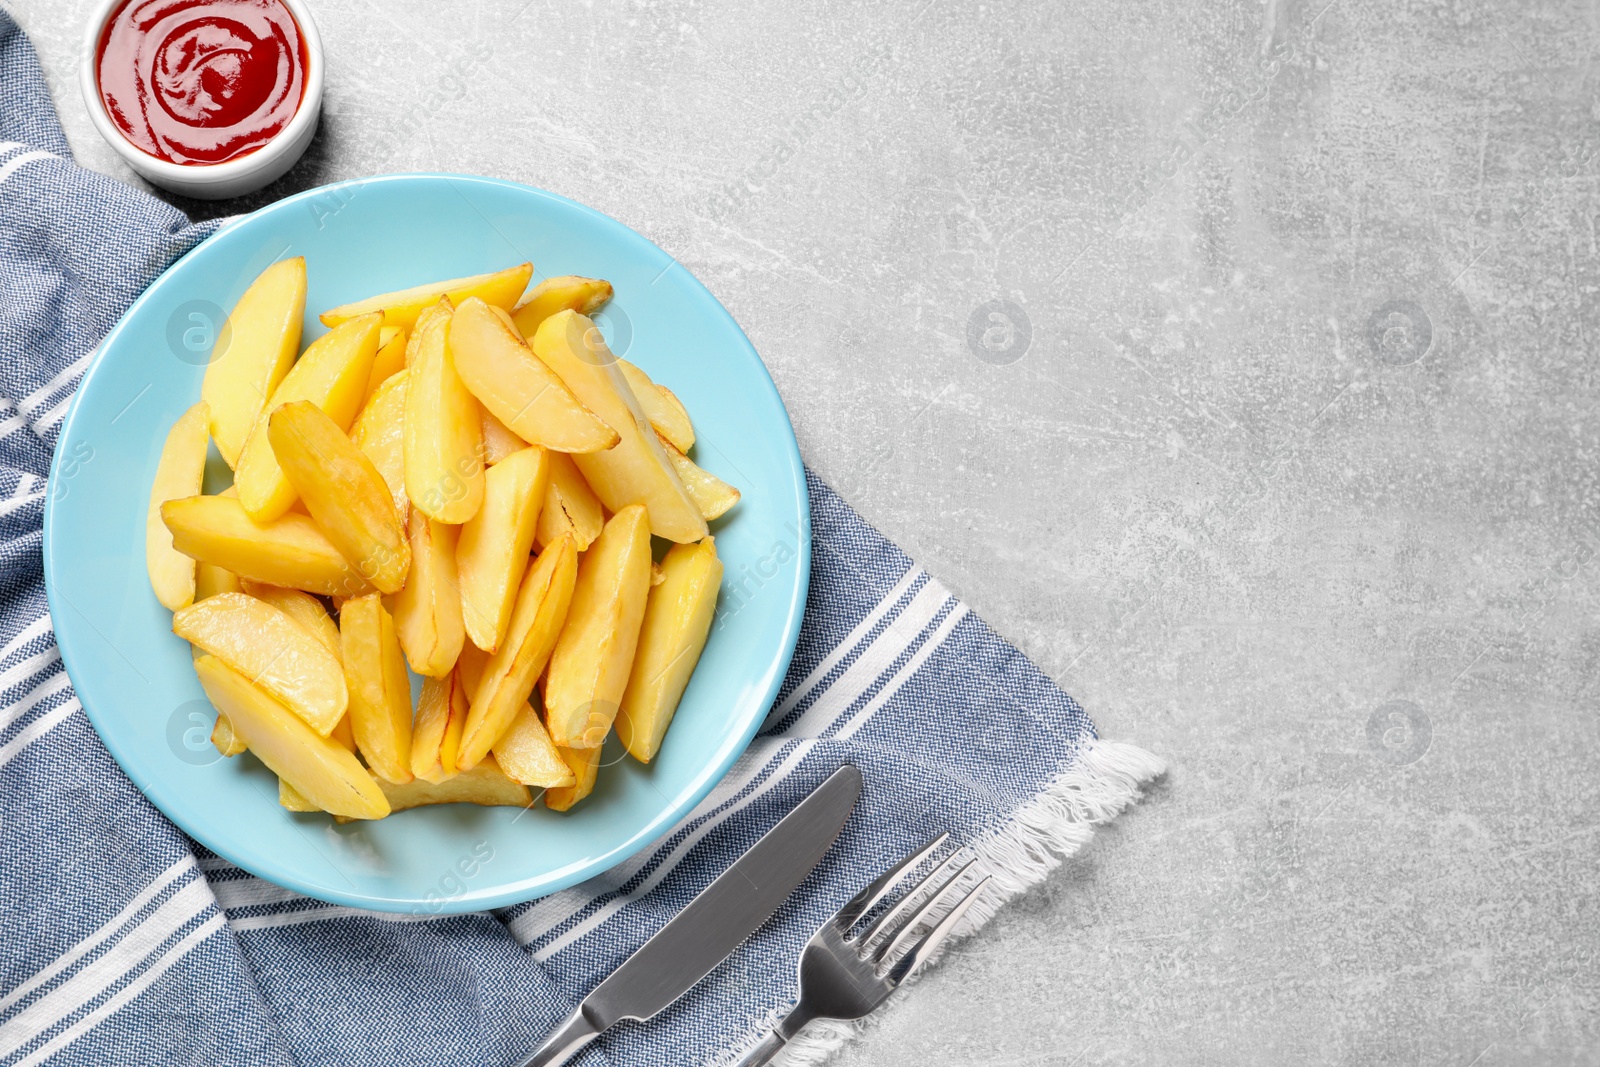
[(124, 943)]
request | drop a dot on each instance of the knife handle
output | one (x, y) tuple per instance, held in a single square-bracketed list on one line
[(575, 1031), (763, 1052)]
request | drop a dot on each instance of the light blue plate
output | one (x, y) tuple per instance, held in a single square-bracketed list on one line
[(135, 678)]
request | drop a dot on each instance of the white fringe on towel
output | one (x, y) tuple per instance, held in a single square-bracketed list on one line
[(1105, 777)]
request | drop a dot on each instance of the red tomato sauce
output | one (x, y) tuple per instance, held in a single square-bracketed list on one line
[(201, 81)]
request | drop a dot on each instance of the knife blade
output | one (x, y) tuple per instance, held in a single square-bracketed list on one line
[(714, 923)]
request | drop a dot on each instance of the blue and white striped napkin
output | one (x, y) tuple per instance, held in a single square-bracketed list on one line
[(126, 943)]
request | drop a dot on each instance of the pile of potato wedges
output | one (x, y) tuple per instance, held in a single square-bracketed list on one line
[(459, 478)]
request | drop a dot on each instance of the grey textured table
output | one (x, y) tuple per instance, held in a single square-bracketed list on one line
[(1289, 474)]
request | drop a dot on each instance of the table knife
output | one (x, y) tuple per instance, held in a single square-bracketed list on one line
[(702, 935)]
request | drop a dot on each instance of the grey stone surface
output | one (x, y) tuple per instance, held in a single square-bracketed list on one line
[(1296, 470)]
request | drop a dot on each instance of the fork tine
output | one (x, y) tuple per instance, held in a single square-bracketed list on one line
[(935, 937), (863, 901), (893, 921)]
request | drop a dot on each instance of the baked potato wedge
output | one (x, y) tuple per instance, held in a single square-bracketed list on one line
[(436, 732), (485, 784), (321, 770), (637, 470), (210, 579), (585, 766), (287, 795), (661, 406), (537, 619), (179, 473), (404, 307), (291, 800), (427, 612), (492, 552), (570, 506), (517, 388), (272, 650), (713, 496), (333, 376), (677, 621), (222, 736), (380, 690), (379, 432), (526, 753), (592, 658), (344, 492), (262, 340), (568, 292), (291, 551), (390, 360), (443, 429)]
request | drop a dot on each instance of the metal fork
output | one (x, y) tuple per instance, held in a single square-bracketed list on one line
[(840, 973)]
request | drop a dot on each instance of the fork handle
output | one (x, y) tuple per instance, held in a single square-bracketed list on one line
[(769, 1046)]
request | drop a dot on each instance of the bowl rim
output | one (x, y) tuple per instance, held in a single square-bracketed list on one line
[(193, 175), (505, 894)]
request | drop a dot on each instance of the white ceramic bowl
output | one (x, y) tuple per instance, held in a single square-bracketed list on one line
[(215, 181)]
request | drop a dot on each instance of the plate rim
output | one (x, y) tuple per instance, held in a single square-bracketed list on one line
[(524, 890)]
